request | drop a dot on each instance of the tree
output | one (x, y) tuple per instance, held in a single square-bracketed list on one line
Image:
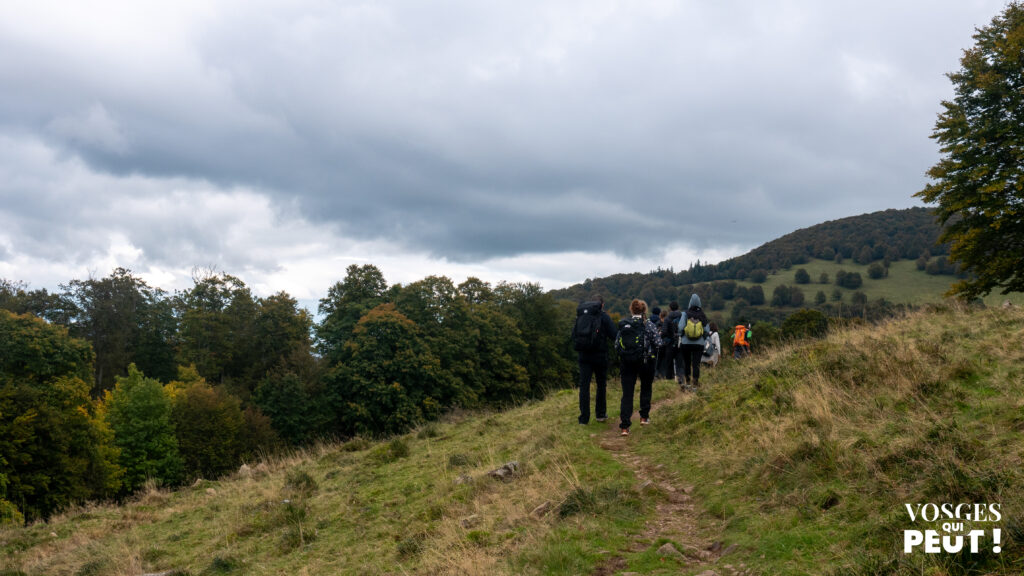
[(207, 425), (389, 381), (545, 326), (726, 289), (54, 448), (755, 296), (876, 271), (216, 327), (978, 184), (820, 297), (781, 296), (796, 296), (346, 302), (282, 334), (758, 276), (126, 322), (801, 276), (864, 256), (294, 411), (138, 410)]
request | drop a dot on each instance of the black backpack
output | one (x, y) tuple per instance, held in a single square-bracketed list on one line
[(668, 331), (631, 343), (586, 334)]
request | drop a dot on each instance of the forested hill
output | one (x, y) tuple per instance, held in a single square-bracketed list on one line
[(885, 236)]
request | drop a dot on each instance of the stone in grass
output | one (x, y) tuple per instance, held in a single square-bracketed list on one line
[(668, 549), (506, 472), (541, 510), (470, 521)]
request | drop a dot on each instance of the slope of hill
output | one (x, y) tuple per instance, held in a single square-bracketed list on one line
[(798, 461), (893, 237)]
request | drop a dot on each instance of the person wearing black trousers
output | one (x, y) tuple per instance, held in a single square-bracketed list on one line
[(643, 368), (691, 348), (593, 358)]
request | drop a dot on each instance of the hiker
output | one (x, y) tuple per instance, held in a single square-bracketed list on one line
[(692, 335), (670, 333), (665, 351), (590, 336), (636, 343), (656, 320), (741, 341), (712, 348)]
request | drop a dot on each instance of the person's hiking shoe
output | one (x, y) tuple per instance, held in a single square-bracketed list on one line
[(624, 432), (605, 419), (645, 421)]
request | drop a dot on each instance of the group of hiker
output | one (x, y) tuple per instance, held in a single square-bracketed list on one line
[(666, 344)]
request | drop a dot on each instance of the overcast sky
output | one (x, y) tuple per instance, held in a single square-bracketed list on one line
[(281, 141)]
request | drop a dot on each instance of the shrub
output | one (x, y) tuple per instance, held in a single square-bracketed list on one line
[(805, 323)]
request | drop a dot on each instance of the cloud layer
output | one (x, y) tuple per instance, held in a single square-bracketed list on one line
[(543, 141)]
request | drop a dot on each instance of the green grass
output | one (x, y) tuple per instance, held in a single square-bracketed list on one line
[(809, 453), (905, 284), (801, 458)]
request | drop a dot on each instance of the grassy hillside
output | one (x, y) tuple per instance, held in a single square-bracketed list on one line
[(798, 461), (905, 284), (900, 236)]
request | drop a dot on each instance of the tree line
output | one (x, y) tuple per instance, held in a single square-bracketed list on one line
[(110, 383), (879, 238)]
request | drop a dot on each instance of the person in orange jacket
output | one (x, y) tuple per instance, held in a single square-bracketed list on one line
[(741, 341)]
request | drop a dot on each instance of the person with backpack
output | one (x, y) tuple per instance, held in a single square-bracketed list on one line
[(656, 320), (636, 343), (665, 351), (741, 341), (712, 347), (670, 334), (692, 335), (590, 335)]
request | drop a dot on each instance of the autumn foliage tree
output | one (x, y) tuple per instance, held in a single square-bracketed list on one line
[(208, 425), (54, 450), (978, 184)]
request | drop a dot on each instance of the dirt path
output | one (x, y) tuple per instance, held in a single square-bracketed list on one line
[(675, 516)]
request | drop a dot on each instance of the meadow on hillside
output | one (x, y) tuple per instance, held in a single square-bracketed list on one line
[(798, 461)]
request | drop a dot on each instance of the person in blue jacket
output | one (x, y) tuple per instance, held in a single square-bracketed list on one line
[(691, 343)]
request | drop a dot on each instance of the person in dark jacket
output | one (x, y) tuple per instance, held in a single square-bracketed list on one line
[(691, 349), (673, 360), (642, 367), (656, 320), (594, 362)]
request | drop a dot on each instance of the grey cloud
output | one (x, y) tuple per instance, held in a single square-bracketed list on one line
[(477, 130)]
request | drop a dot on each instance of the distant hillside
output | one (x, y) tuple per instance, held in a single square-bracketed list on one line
[(798, 461), (851, 244)]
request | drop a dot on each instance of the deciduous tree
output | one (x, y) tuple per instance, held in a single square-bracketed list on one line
[(978, 184), (138, 410), (54, 450)]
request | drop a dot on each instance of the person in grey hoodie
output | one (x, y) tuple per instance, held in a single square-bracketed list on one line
[(692, 346)]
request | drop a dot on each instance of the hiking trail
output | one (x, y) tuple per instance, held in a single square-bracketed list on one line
[(674, 524)]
